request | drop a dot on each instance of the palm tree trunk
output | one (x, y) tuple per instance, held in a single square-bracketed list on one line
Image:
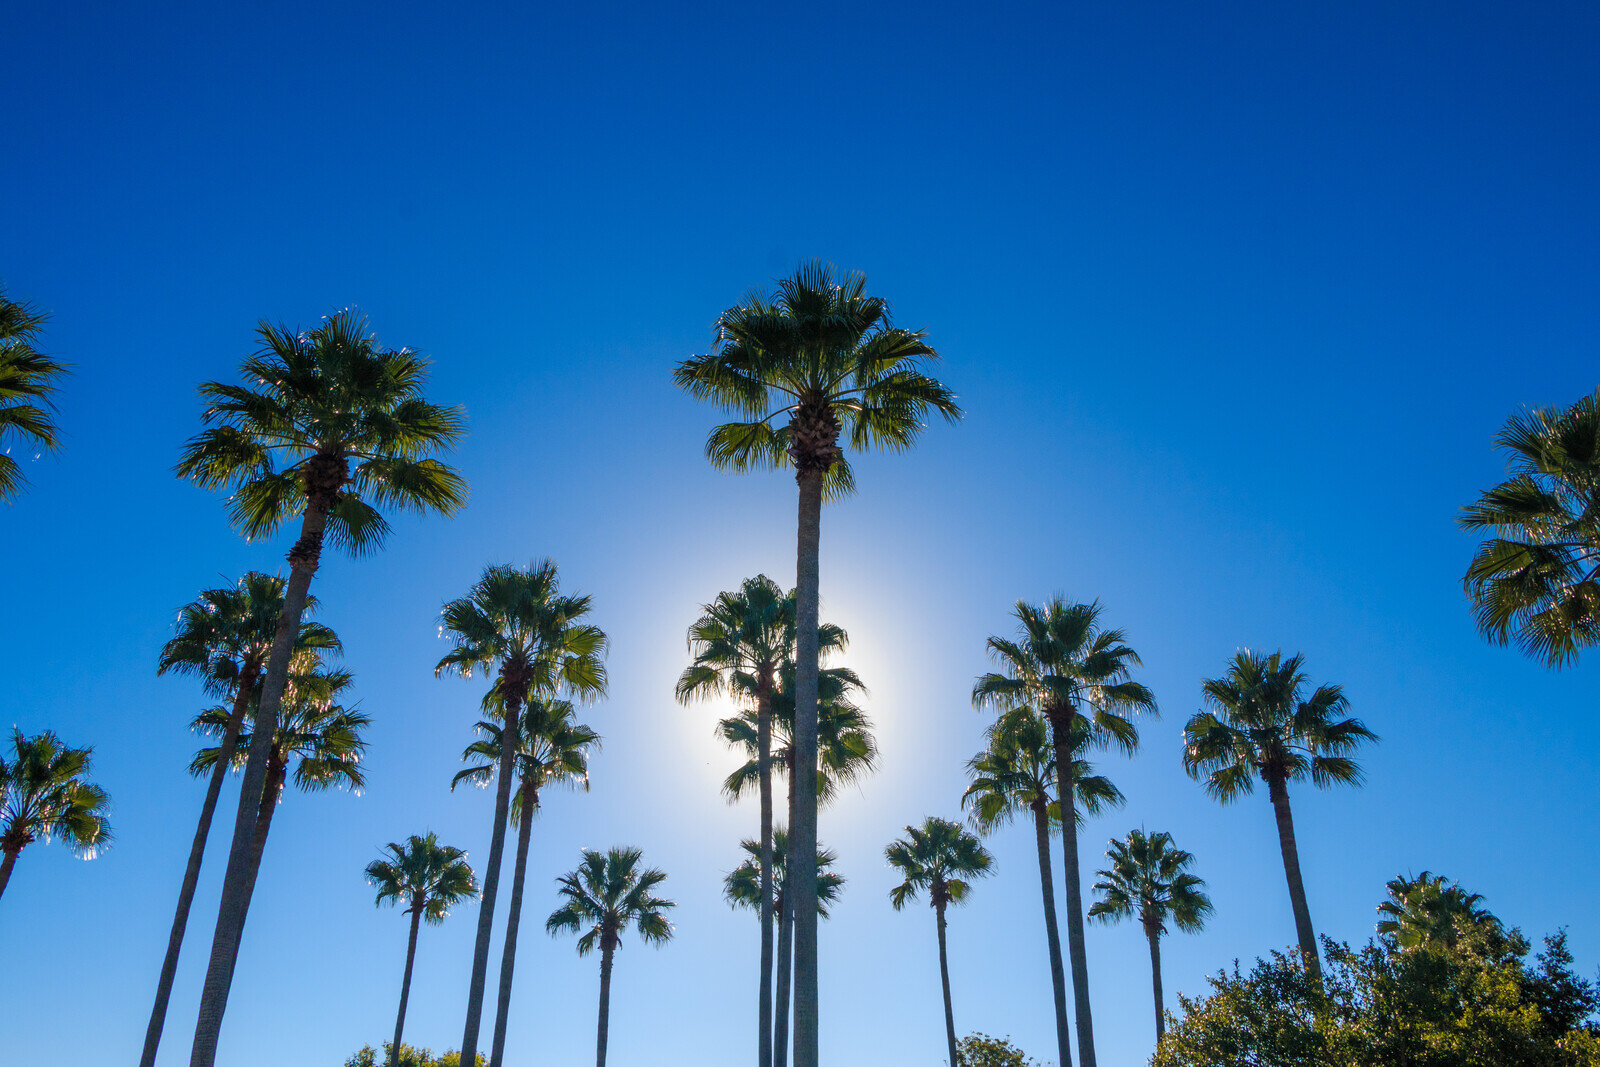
[(491, 877), (1154, 937), (5, 868), (944, 980), (780, 1030), (1052, 935), (191, 874), (764, 763), (417, 903), (1279, 792), (1060, 737), (801, 861), (508, 959), (605, 1007), (240, 877), (272, 791)]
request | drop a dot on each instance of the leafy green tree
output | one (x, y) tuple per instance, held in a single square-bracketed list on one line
[(329, 427), (981, 1050), (517, 623), (224, 638), (408, 1056), (1537, 577), (815, 361), (607, 893), (27, 381), (44, 794), (1015, 773), (1260, 727), (1068, 669), (938, 857), (1429, 909), (430, 878), (742, 887), (553, 749), (1148, 880)]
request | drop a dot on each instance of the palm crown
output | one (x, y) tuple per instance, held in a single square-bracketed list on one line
[(44, 795), (1535, 579), (314, 730), (938, 857), (424, 875), (27, 382), (742, 887), (846, 748), (1017, 771), (741, 640), (552, 749), (1148, 880), (225, 635), (608, 892), (1429, 909)]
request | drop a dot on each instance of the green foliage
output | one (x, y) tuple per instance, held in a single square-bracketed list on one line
[(425, 875), (939, 856), (742, 887), (44, 794), (607, 892), (1148, 880), (981, 1050), (27, 382), (410, 1056)]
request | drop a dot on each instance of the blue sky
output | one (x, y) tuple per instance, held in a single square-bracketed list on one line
[(1235, 297)]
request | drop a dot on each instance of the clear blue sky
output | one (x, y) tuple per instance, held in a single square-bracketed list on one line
[(1235, 297)]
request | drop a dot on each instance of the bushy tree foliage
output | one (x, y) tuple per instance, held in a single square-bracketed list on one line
[(410, 1056), (981, 1050)]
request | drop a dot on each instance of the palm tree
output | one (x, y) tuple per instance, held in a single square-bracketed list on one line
[(552, 750), (1259, 726), (1017, 771), (27, 381), (1537, 578), (430, 878), (742, 887), (1068, 669), (606, 893), (330, 427), (517, 623), (1431, 910), (43, 795), (1147, 879), (224, 637), (938, 856), (817, 359)]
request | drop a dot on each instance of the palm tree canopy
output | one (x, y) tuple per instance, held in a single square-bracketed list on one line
[(44, 794), (1063, 663), (940, 857), (847, 751), (742, 887), (1017, 772), (1428, 910), (1261, 724), (422, 871), (608, 892), (816, 358), (312, 404), (315, 732), (1148, 880), (228, 631), (27, 382), (1535, 579), (552, 748), (744, 637)]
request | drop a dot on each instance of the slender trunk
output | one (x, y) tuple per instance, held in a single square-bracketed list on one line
[(191, 874), (508, 959), (1060, 736), (1052, 935), (802, 858), (277, 770), (1155, 977), (491, 876), (780, 1035), (5, 868), (303, 558), (1279, 792), (764, 759), (417, 903), (605, 1006), (944, 980)]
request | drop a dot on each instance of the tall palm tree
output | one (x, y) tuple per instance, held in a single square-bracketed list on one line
[(1066, 667), (44, 795), (517, 623), (606, 893), (224, 637), (430, 878), (815, 360), (553, 749), (1016, 772), (1537, 578), (1260, 727), (939, 856), (1148, 879), (742, 887), (330, 427), (1431, 910), (27, 381)]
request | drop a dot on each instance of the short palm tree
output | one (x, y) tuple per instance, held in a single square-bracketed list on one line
[(517, 623), (27, 382), (224, 638), (1261, 725), (1148, 880), (607, 893), (742, 887), (1430, 910), (553, 749), (430, 878), (1068, 669), (938, 857), (1017, 772), (813, 362), (1537, 578), (44, 794), (330, 427)]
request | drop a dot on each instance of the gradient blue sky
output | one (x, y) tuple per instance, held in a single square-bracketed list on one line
[(1235, 296)]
